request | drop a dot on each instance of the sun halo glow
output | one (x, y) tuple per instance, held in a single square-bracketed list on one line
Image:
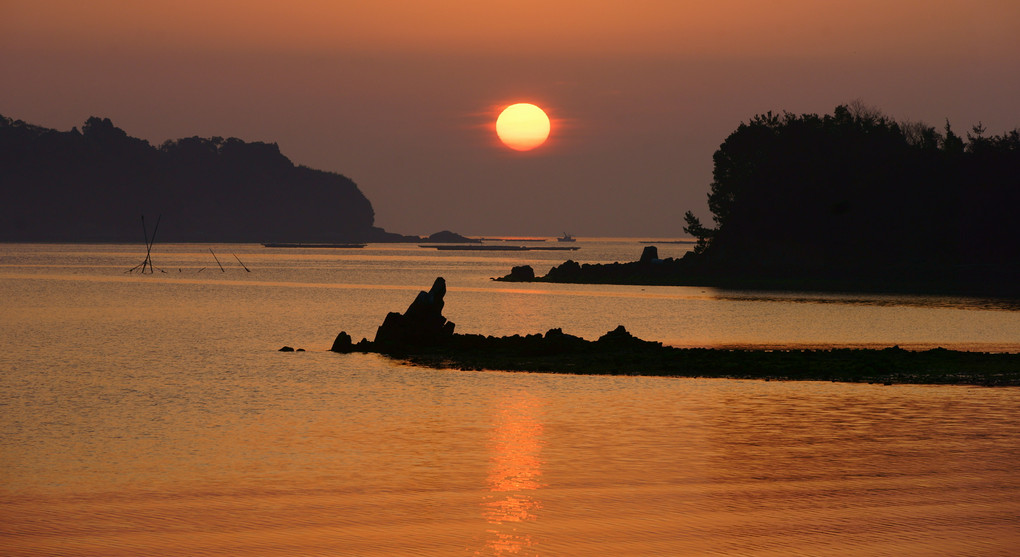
[(522, 126)]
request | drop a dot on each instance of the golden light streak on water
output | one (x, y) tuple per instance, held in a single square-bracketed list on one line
[(515, 475)]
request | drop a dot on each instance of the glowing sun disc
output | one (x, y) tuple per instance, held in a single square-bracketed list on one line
[(522, 126)]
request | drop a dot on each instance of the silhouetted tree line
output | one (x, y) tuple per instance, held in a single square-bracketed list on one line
[(857, 199), (94, 184)]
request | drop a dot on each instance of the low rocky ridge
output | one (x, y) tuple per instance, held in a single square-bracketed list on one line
[(648, 270), (689, 270), (422, 336)]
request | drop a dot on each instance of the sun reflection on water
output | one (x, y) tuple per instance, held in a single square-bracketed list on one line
[(515, 472)]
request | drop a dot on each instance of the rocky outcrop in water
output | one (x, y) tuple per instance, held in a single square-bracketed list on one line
[(422, 324), (521, 273), (649, 255), (422, 336), (649, 269), (447, 237)]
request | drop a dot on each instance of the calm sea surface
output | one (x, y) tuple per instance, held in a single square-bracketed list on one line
[(153, 415)]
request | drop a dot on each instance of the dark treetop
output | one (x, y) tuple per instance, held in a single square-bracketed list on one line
[(422, 336), (96, 183)]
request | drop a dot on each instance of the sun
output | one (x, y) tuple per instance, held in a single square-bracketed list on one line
[(522, 126)]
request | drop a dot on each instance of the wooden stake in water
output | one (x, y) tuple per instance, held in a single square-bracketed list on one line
[(217, 260), (242, 264), (148, 247)]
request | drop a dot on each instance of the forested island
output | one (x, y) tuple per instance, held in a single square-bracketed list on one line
[(93, 184), (847, 201)]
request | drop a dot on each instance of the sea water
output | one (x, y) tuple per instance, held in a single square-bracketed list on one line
[(153, 414)]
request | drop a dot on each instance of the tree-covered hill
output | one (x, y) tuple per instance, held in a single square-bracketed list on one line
[(94, 185), (857, 200)]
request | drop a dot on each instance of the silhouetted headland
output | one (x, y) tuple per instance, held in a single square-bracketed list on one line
[(423, 336), (92, 185)]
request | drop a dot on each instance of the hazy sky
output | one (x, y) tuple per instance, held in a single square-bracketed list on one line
[(402, 96)]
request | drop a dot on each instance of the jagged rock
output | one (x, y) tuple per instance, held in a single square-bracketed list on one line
[(522, 273), (568, 268), (619, 334), (343, 343), (556, 341), (422, 323), (621, 337), (649, 254)]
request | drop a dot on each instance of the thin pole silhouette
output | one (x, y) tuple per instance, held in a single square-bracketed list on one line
[(145, 232), (217, 260), (148, 247), (242, 264)]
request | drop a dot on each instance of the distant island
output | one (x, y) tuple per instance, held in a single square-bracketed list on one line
[(94, 184), (423, 336), (849, 201)]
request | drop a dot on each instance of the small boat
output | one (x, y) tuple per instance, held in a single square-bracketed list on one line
[(566, 238)]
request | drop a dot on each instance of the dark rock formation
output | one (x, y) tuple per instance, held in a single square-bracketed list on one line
[(423, 322), (569, 268), (422, 336), (521, 273), (649, 254), (648, 270), (621, 338), (343, 343), (447, 237)]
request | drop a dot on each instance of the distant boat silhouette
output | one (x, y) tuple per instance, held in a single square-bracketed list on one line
[(566, 238)]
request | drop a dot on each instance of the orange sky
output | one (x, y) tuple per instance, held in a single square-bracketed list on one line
[(401, 95), (715, 28)]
